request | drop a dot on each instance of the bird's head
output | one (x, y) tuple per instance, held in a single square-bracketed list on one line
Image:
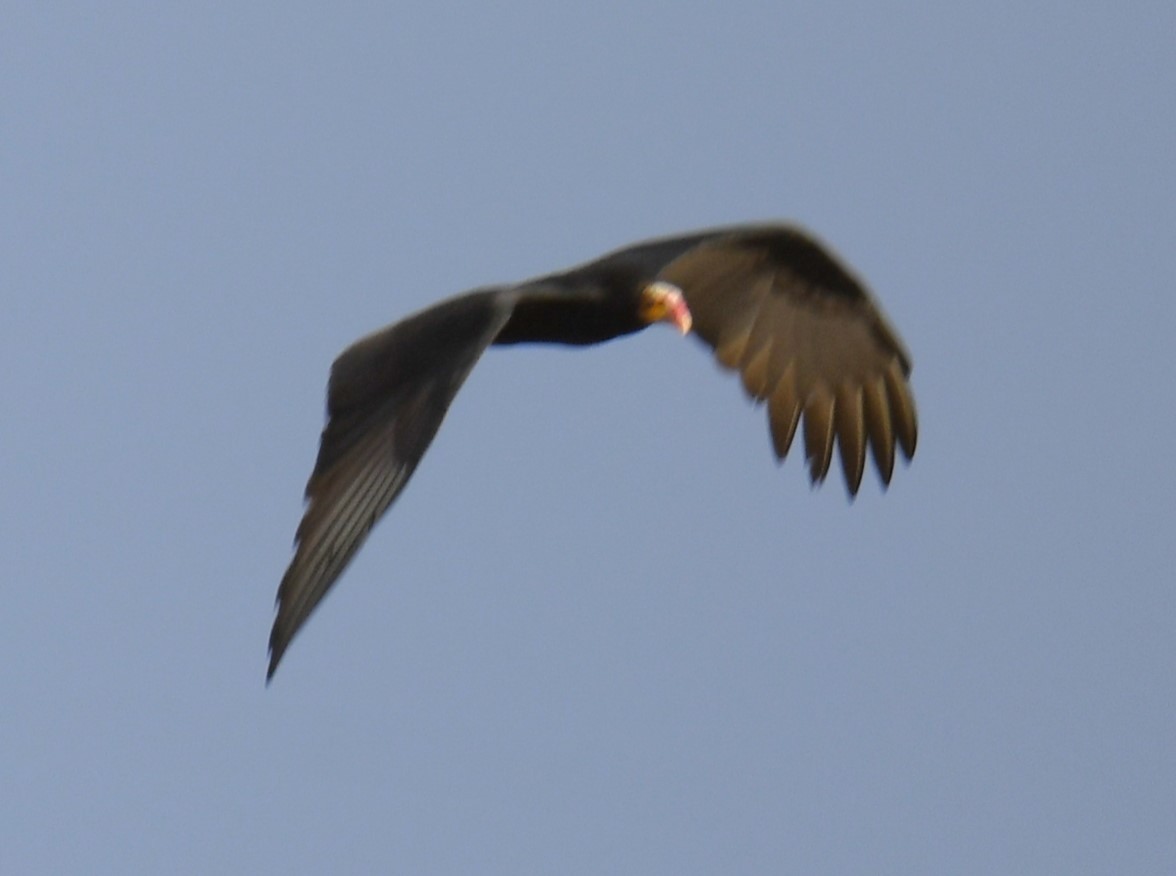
[(664, 302)]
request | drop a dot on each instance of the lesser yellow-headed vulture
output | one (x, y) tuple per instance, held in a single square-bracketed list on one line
[(771, 301)]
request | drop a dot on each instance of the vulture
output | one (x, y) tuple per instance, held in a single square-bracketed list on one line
[(771, 301)]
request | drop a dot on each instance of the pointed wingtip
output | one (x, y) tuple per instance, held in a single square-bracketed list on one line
[(276, 649)]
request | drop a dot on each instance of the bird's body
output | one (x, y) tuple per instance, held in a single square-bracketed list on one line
[(772, 302)]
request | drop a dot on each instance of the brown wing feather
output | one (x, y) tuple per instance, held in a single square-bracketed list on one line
[(806, 337), (387, 396)]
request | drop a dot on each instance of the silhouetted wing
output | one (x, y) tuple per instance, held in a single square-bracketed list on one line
[(387, 396), (807, 338)]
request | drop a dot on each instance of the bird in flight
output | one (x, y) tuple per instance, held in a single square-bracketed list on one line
[(774, 304)]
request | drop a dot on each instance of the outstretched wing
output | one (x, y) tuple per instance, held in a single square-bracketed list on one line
[(807, 338), (387, 396)]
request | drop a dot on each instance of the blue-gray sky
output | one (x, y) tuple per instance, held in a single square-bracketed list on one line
[(601, 632)]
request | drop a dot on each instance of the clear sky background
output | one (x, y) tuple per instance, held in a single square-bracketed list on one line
[(601, 632)]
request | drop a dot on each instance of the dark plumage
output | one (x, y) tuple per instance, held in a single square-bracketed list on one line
[(805, 335)]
